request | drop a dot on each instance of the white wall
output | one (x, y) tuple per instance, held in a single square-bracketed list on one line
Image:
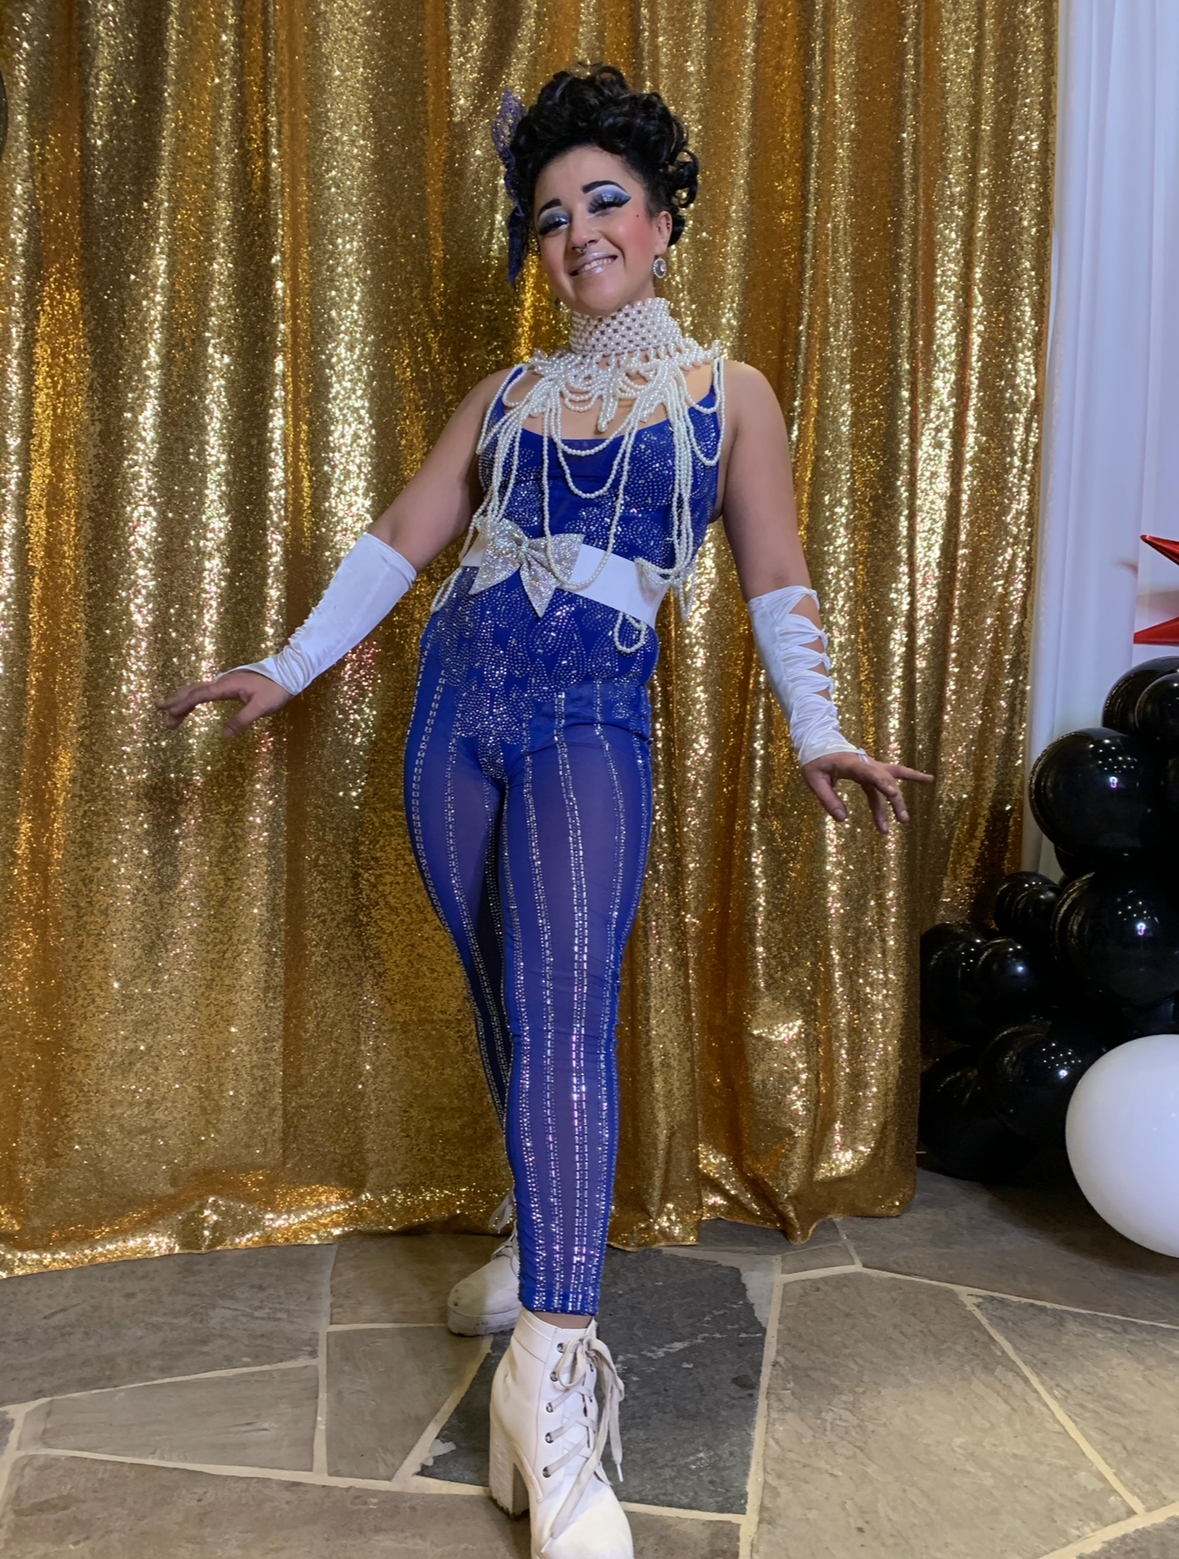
[(1111, 421)]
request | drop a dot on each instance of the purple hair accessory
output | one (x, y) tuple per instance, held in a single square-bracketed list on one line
[(511, 111)]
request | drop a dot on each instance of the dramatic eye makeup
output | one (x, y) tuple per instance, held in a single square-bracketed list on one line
[(550, 222), (605, 196), (608, 195)]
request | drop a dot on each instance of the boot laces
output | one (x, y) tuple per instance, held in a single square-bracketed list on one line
[(504, 1215), (509, 1248), (576, 1375)]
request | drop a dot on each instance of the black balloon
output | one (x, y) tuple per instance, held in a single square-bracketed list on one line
[(945, 998), (1072, 863), (1118, 932), (1007, 983), (1135, 1022), (960, 1130), (1009, 894), (1121, 702), (1118, 1022), (946, 932), (1028, 1074), (1099, 793), (1156, 714), (1086, 1029), (1032, 920)]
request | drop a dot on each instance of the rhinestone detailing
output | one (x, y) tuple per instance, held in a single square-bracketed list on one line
[(510, 549), (637, 357)]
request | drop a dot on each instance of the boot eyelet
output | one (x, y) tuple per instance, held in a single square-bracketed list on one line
[(548, 1407), (544, 1472), (548, 1439), (552, 1374), (560, 1347)]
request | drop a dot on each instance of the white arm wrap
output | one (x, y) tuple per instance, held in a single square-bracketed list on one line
[(784, 640), (371, 579)]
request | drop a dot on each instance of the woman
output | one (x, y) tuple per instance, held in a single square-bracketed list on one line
[(584, 482)]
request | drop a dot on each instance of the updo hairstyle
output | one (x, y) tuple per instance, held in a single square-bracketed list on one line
[(599, 109)]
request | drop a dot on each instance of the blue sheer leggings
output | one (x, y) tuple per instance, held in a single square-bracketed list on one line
[(532, 851)]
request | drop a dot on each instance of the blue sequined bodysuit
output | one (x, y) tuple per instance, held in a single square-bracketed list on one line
[(528, 796)]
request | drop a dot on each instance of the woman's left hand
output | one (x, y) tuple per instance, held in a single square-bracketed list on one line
[(878, 779)]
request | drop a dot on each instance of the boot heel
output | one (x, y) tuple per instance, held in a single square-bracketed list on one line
[(508, 1489)]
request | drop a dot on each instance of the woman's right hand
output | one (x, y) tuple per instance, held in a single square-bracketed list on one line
[(258, 696)]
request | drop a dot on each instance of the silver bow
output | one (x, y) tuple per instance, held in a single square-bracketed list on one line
[(509, 549)]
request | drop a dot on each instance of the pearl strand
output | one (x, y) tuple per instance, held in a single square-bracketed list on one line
[(639, 355)]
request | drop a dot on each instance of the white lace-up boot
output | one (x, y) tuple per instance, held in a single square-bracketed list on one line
[(547, 1440), (489, 1299)]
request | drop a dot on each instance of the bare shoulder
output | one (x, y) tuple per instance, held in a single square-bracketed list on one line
[(481, 395), (749, 394), (458, 442)]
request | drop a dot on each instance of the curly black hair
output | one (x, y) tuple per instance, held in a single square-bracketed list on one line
[(599, 109)]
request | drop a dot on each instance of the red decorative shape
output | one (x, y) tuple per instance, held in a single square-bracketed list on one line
[(1161, 633), (1169, 549), (1168, 632)]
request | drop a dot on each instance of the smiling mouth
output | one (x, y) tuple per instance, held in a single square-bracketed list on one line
[(592, 266)]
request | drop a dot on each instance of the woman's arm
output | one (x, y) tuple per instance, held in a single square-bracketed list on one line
[(761, 525), (435, 506), (433, 509), (760, 520)]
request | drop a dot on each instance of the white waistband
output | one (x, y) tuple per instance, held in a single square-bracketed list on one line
[(621, 583)]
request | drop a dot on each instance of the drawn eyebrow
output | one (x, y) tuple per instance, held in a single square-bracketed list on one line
[(585, 190)]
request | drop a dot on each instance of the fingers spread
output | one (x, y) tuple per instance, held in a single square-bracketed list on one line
[(878, 780), (823, 788), (897, 802), (901, 772), (221, 690), (182, 702), (237, 723), (884, 795), (217, 692), (178, 698)]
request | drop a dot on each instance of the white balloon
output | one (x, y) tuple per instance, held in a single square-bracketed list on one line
[(1122, 1134)]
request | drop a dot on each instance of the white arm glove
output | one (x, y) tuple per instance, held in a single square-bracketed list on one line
[(371, 579), (792, 670)]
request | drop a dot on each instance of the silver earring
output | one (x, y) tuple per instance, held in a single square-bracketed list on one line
[(659, 267)]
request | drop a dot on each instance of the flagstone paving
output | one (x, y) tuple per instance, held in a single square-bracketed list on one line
[(992, 1375)]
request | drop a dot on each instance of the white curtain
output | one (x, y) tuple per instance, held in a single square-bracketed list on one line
[(1111, 424)]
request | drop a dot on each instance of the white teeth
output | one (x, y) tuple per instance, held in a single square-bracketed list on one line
[(591, 267)]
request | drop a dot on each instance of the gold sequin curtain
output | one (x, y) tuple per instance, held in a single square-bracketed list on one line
[(252, 256)]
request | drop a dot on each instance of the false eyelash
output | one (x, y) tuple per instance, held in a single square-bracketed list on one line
[(597, 204)]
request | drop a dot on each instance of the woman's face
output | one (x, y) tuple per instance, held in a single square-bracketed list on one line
[(595, 237)]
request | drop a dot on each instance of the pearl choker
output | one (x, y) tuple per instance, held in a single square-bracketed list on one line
[(643, 326)]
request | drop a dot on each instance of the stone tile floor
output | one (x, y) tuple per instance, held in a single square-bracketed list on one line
[(993, 1375)]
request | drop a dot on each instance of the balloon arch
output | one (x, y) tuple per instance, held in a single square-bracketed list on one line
[(1062, 1014)]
